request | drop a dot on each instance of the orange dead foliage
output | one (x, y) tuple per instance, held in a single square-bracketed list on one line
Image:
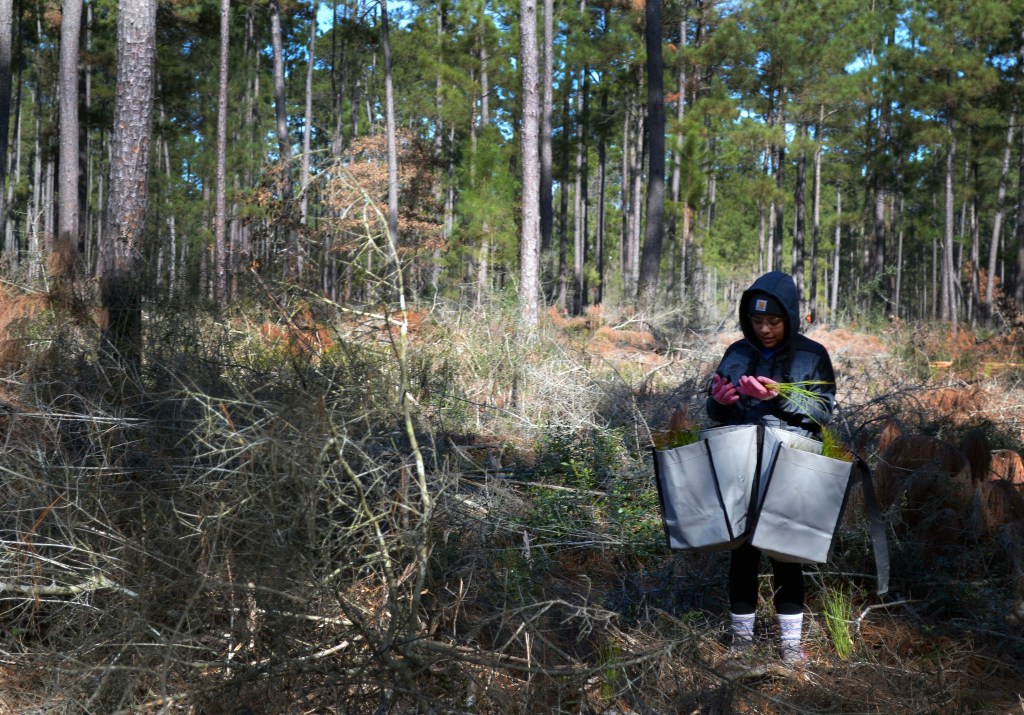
[(890, 433), (1007, 464), (995, 504), (958, 404), (16, 309), (845, 343), (296, 340)]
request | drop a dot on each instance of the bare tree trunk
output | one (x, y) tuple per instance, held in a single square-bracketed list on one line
[(997, 219), (68, 208), (800, 219), (529, 259), (834, 305), (284, 143), (580, 198), (655, 225), (307, 125), (675, 179), (389, 122), (220, 209), (6, 70), (547, 208), (602, 173), (120, 265), (483, 260), (948, 308), (812, 298)]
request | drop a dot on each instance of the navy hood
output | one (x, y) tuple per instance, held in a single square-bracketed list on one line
[(782, 288)]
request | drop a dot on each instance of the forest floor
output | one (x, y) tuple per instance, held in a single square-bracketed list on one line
[(260, 524)]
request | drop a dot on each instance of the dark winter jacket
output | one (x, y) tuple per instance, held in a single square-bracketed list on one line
[(797, 358)]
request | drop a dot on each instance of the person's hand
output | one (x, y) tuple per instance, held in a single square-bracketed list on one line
[(760, 388), (722, 391)]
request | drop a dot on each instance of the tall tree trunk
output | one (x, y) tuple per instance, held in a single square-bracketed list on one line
[(675, 179), (284, 143), (392, 140), (834, 305), (812, 297), (948, 308), (68, 209), (636, 178), (6, 70), (602, 173), (120, 266), (778, 213), (1018, 291), (529, 293), (307, 124), (562, 278), (997, 219), (483, 260), (655, 225), (800, 218), (220, 179), (580, 198), (547, 207)]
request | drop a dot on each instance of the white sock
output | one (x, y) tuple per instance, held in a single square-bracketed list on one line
[(791, 631), (742, 625)]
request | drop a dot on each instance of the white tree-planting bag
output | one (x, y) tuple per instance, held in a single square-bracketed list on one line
[(706, 488), (801, 507)]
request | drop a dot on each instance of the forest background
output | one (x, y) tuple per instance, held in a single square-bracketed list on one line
[(335, 335)]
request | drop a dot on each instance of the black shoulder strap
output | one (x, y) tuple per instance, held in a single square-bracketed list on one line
[(876, 527)]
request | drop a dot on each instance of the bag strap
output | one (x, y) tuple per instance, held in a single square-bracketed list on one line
[(876, 527)]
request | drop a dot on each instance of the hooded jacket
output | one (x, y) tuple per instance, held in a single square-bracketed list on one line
[(797, 358)]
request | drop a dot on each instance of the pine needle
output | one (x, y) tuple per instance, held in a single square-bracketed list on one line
[(800, 394)]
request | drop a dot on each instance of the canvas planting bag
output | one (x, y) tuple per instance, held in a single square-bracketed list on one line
[(802, 503), (706, 488)]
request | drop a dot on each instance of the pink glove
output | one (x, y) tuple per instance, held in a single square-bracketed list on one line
[(760, 388), (722, 391)]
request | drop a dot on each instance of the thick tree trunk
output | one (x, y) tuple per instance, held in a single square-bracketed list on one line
[(68, 169), (547, 207), (655, 225), (389, 121), (529, 259), (120, 265), (6, 70)]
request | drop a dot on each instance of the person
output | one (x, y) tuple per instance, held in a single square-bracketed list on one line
[(741, 392)]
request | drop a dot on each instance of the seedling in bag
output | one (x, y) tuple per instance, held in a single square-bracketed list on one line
[(680, 432)]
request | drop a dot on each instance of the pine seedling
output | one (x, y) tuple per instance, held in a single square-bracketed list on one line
[(800, 394), (833, 447), (680, 431)]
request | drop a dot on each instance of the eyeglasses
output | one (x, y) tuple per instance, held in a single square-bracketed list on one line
[(772, 321)]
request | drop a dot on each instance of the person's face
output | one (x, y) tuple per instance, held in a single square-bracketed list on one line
[(769, 329)]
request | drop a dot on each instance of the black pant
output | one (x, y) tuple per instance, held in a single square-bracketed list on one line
[(744, 568)]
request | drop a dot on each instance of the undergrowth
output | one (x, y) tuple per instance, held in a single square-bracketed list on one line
[(446, 518)]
